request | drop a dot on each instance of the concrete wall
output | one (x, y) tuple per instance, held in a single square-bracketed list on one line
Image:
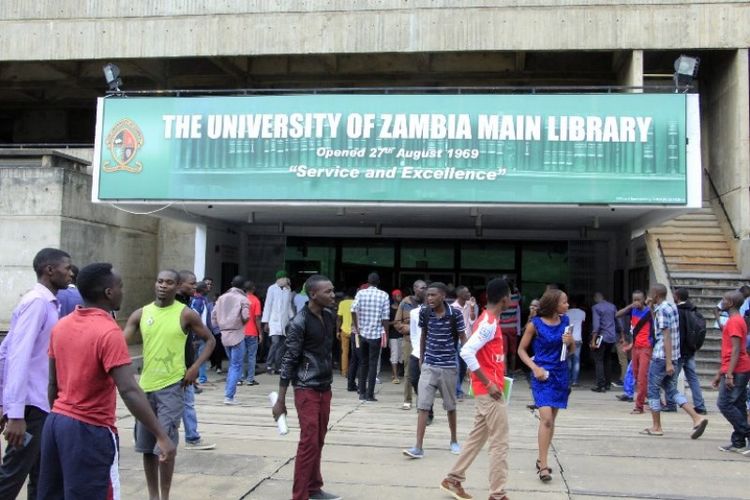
[(151, 28), (725, 107)]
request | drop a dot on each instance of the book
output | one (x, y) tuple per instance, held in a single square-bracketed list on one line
[(507, 389)]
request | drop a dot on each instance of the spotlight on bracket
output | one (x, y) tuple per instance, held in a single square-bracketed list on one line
[(112, 76), (685, 70)]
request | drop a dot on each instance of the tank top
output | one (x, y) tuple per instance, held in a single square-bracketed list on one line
[(163, 346)]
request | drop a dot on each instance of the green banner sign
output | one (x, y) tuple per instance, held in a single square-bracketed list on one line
[(603, 148)]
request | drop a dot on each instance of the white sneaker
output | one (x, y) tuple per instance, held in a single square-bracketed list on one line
[(231, 401), (406, 406), (199, 445)]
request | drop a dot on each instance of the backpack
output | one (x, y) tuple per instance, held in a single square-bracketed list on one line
[(424, 318), (695, 329)]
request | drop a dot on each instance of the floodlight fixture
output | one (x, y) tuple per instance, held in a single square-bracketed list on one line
[(112, 76), (685, 70)]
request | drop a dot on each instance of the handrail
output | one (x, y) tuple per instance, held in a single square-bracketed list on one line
[(721, 204), (664, 261)]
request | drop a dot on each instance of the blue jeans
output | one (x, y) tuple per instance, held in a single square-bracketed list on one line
[(574, 364), (461, 372), (202, 376), (658, 379), (189, 418), (731, 403), (251, 351), (236, 353), (688, 365)]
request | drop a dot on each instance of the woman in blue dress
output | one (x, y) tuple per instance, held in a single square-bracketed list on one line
[(549, 382)]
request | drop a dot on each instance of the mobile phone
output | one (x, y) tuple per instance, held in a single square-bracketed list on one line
[(599, 340)]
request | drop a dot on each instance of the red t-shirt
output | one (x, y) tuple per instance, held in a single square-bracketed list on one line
[(735, 327), (86, 345), (251, 329), (641, 338), (491, 357)]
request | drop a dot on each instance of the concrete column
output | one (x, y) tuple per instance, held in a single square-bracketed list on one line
[(630, 70), (725, 108)]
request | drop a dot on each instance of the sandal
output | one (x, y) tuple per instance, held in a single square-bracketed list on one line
[(545, 474)]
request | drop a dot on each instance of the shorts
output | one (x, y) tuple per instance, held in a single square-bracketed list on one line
[(168, 405), (396, 350), (435, 378), (78, 460)]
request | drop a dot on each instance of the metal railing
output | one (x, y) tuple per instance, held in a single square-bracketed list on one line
[(664, 261), (721, 204)]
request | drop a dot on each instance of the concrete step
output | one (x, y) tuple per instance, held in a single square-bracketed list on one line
[(686, 230), (680, 260), (715, 267)]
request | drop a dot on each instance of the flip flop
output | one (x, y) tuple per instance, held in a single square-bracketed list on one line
[(698, 429), (649, 432)]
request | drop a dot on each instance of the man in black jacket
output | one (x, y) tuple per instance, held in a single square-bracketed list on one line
[(308, 365), (687, 353)]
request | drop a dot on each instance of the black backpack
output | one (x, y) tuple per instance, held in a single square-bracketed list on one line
[(695, 329)]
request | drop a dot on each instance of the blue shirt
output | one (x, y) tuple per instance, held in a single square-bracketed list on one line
[(68, 299), (440, 346), (603, 314)]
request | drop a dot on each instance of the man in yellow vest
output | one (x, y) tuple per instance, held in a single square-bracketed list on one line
[(163, 326)]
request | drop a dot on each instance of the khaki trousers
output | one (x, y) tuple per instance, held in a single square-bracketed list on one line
[(345, 337), (406, 348), (490, 424)]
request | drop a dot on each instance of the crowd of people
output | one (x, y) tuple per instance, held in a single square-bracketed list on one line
[(65, 357)]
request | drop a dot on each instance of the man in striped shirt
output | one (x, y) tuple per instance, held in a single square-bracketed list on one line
[(441, 327)]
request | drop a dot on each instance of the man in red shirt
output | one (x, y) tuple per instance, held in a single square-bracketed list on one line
[(641, 324), (485, 357), (734, 374), (88, 358), (252, 337)]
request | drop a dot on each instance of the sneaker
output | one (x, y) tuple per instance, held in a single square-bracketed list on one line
[(362, 399), (231, 401), (198, 389), (619, 383), (455, 448), (624, 398), (218, 370), (240, 382), (377, 380), (730, 448), (406, 406), (372, 400), (199, 445), (396, 381), (453, 487), (414, 452), (598, 389), (323, 495)]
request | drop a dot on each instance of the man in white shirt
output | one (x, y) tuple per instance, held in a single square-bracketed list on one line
[(577, 317), (276, 314)]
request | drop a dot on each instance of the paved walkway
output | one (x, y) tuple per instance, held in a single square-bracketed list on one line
[(598, 452)]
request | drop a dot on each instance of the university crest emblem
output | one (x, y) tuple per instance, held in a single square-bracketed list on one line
[(123, 143)]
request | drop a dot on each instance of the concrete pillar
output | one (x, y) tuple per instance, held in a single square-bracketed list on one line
[(725, 106), (629, 65)]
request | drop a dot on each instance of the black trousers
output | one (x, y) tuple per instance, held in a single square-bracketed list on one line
[(354, 361), (23, 462), (603, 358), (368, 366)]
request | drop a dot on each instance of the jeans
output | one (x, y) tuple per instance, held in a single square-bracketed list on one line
[(278, 343), (202, 376), (688, 365), (189, 418), (461, 373), (354, 361), (602, 358), (236, 354), (658, 379), (574, 364), (368, 366), (313, 410), (731, 403), (18, 464), (251, 351)]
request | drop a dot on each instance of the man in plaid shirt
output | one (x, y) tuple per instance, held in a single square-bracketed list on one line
[(662, 373), (370, 317)]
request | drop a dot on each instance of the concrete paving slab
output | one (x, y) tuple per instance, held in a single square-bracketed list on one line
[(597, 451)]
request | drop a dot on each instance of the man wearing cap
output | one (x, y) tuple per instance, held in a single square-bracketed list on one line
[(276, 315)]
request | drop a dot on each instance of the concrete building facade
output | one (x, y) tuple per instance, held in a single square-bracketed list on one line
[(51, 55)]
